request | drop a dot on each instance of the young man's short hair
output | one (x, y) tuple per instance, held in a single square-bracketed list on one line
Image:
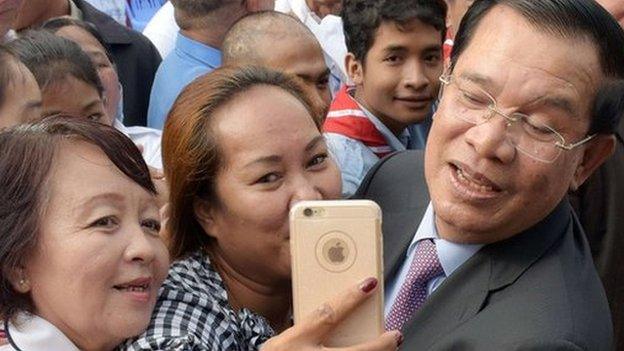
[(362, 18)]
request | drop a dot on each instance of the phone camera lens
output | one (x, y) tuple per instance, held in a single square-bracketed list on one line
[(308, 212)]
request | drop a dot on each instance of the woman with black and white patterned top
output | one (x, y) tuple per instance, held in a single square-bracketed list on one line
[(240, 147)]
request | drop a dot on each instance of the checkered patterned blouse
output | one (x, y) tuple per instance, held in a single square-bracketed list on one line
[(192, 313)]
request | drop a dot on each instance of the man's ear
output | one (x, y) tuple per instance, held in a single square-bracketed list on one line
[(204, 213), (355, 69), (596, 153)]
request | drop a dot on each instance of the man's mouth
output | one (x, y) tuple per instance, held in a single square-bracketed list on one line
[(473, 182)]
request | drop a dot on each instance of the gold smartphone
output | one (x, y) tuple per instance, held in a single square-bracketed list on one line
[(334, 245)]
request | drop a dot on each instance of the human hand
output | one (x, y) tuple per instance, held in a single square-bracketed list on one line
[(310, 334)]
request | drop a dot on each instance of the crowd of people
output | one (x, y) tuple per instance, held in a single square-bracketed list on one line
[(146, 179)]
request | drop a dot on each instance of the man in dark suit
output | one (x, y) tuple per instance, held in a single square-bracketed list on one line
[(482, 249), (136, 58)]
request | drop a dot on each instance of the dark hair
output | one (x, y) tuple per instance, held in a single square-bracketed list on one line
[(52, 58), (569, 19), (27, 154), (8, 63), (191, 154), (362, 18), (55, 24)]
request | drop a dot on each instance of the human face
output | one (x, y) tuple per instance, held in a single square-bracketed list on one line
[(105, 68), (323, 8), (274, 156), (615, 7), (22, 103), (94, 242), (8, 13), (398, 81), (85, 102), (301, 57), (482, 189)]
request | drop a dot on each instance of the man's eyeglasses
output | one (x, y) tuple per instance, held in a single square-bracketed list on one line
[(526, 133)]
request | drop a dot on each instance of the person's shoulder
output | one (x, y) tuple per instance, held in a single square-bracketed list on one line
[(399, 171)]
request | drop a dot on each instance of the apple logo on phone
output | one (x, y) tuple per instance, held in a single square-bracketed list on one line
[(336, 253)]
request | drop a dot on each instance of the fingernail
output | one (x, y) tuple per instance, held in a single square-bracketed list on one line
[(368, 285), (399, 338)]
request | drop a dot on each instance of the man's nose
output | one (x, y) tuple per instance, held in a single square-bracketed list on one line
[(490, 140)]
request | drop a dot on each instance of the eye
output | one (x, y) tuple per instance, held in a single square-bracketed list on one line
[(108, 222), (268, 178), (392, 59), (96, 117), (433, 59), (536, 129), (323, 83), (151, 225), (318, 160), (474, 98)]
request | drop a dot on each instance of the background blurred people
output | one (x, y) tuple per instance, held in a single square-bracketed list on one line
[(229, 286), (140, 12), (281, 42), (162, 29), (203, 25), (116, 9), (63, 70), (136, 57), (394, 61), (20, 97), (81, 263), (89, 40)]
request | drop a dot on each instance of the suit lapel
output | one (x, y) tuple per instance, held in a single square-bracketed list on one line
[(463, 294), (403, 225)]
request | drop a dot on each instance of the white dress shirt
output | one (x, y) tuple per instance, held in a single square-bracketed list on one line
[(162, 30), (148, 139), (33, 333), (451, 256)]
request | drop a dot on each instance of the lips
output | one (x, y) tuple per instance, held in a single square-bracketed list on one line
[(137, 285), (472, 185)]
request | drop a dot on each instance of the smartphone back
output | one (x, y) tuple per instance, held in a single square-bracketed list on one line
[(334, 245)]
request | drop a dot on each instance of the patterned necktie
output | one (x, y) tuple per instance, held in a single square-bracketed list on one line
[(413, 293)]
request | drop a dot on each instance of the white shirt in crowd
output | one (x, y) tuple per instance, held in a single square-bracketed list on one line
[(148, 139)]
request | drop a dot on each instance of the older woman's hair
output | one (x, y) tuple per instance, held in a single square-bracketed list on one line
[(8, 66), (27, 155), (191, 153), (52, 58)]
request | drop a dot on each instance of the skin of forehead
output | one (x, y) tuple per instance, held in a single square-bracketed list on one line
[(575, 74)]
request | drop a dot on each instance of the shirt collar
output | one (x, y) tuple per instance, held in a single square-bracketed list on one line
[(451, 255), (74, 11), (397, 144), (199, 51), (35, 333)]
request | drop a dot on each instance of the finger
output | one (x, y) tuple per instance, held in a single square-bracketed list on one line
[(388, 341), (326, 317)]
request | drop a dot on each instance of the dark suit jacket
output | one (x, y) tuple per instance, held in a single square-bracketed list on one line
[(535, 291), (599, 205), (136, 58)]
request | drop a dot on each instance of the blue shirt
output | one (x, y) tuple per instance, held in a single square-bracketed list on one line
[(355, 159), (451, 256), (189, 60)]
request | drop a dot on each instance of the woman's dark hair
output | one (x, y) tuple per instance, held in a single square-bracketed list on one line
[(568, 19), (362, 18), (8, 63), (27, 154), (52, 58), (55, 24), (190, 148)]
